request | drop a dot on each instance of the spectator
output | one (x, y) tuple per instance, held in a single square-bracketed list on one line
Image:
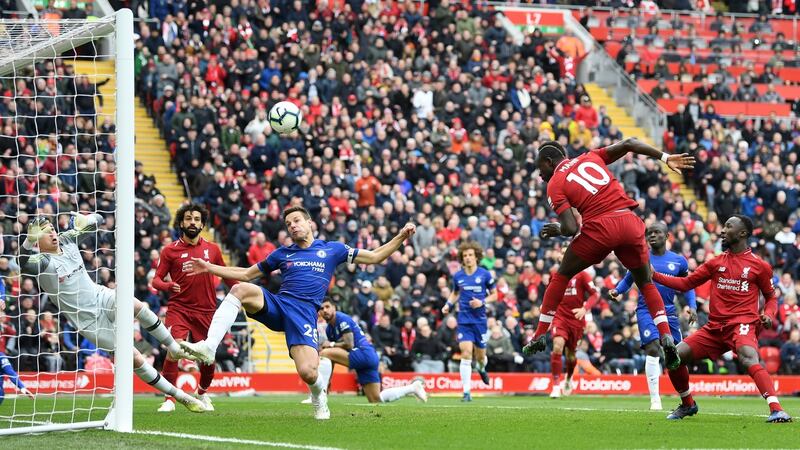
[(428, 352), (790, 354), (617, 354)]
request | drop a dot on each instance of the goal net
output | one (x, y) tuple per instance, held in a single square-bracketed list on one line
[(66, 146)]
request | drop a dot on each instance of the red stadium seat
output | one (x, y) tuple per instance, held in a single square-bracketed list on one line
[(772, 358)]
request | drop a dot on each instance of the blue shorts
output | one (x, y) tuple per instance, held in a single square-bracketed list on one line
[(648, 330), (365, 362), (298, 319), (473, 332)]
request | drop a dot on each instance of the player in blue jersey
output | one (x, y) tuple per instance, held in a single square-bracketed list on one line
[(473, 288), (348, 346), (306, 267), (672, 264), (5, 364), (7, 370)]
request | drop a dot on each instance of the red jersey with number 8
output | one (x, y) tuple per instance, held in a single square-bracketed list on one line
[(585, 183)]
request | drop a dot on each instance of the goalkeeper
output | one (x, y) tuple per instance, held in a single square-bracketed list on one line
[(58, 266)]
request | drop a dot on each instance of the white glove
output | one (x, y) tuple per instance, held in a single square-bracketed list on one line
[(78, 221)]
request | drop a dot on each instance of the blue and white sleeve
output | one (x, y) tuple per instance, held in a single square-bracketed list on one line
[(344, 253), (5, 367), (271, 263), (625, 283)]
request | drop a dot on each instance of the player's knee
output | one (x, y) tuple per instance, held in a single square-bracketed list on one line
[(653, 349), (239, 290), (308, 372), (558, 346)]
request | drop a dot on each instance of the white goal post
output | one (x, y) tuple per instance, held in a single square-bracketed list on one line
[(23, 45)]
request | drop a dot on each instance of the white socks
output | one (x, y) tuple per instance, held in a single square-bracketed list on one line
[(323, 376), (150, 322), (395, 393), (652, 369), (222, 321), (465, 368), (149, 375)]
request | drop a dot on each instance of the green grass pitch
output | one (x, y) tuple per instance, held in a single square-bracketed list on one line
[(444, 422)]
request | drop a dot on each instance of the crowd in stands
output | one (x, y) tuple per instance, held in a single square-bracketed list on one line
[(421, 116)]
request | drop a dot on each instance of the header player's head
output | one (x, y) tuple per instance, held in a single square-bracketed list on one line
[(469, 253), (328, 309), (551, 153), (191, 219), (299, 224), (657, 237), (736, 232)]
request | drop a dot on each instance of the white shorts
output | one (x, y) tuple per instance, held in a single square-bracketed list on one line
[(102, 333)]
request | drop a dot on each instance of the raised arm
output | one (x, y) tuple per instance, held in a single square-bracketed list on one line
[(199, 265), (82, 226), (380, 254), (632, 145), (683, 284)]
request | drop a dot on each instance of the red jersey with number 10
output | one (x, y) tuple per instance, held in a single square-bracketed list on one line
[(584, 183)]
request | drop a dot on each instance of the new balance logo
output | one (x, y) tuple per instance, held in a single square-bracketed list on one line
[(722, 269)]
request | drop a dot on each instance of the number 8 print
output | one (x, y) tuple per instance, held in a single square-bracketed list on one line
[(744, 329)]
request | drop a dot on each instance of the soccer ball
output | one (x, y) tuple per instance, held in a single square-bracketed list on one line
[(285, 117)]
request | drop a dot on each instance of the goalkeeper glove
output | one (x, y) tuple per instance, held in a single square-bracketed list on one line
[(78, 221), (36, 229)]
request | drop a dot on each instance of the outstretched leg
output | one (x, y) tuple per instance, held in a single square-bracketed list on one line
[(680, 381), (643, 278), (748, 356), (570, 266), (149, 375)]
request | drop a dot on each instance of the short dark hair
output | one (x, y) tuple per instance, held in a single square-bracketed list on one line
[(470, 245), (748, 223), (330, 300), (293, 209), (193, 207), (552, 150)]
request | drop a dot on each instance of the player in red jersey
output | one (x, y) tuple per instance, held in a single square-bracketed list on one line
[(192, 300), (737, 278), (567, 329), (585, 183)]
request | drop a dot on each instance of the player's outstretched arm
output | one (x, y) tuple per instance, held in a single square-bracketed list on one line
[(632, 145), (82, 226), (622, 287), (380, 254), (683, 284), (198, 266)]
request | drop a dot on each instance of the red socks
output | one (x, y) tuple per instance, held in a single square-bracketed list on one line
[(765, 386), (655, 304), (170, 372), (680, 381), (206, 376), (552, 297), (555, 367)]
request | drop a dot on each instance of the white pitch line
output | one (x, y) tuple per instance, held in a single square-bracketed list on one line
[(199, 437), (429, 405)]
